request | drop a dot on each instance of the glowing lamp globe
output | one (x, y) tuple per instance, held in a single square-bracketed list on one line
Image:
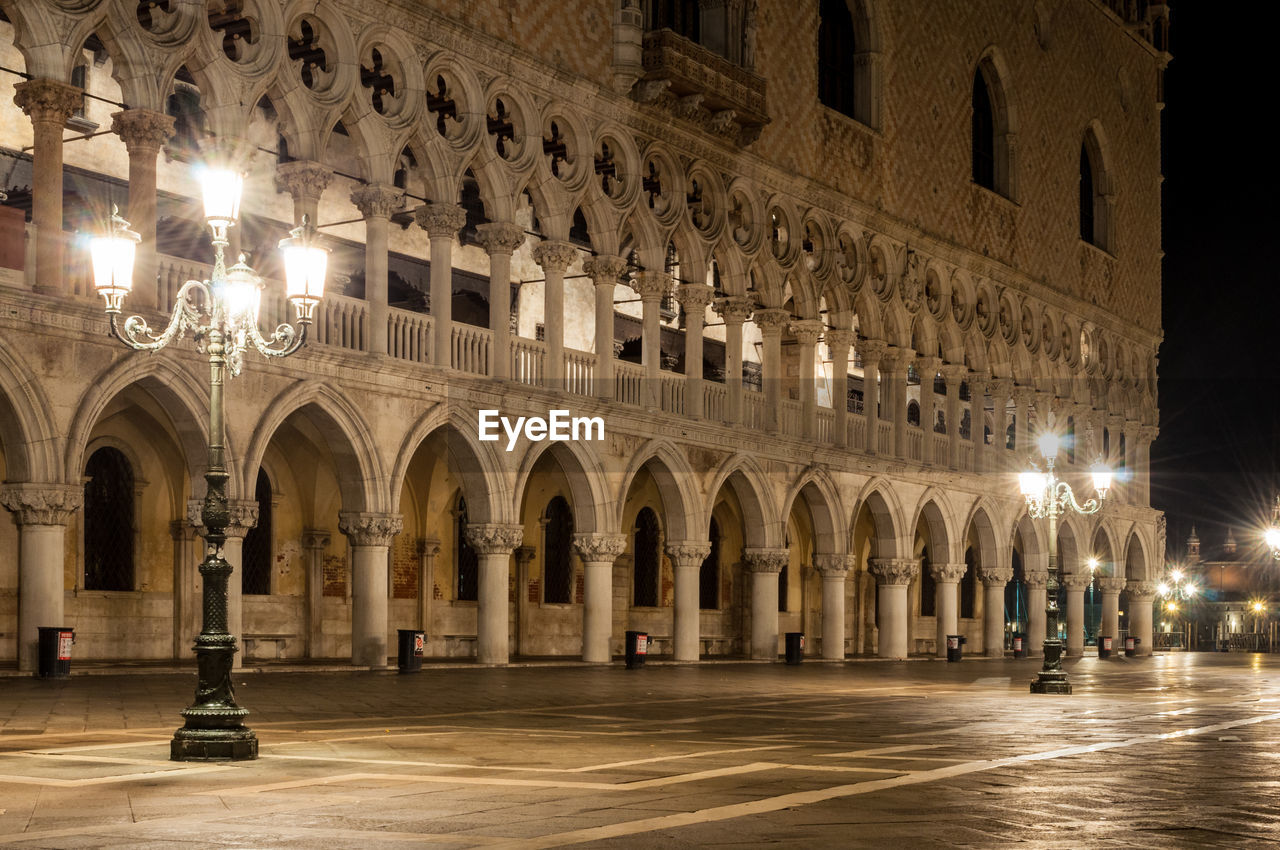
[(305, 266), (1048, 443), (1031, 484), (113, 256), (221, 188), (1101, 479)]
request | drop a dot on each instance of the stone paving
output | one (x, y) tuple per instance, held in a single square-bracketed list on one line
[(1176, 750)]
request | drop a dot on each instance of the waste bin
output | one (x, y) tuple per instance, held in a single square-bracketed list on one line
[(1019, 646), (795, 647), (411, 645), (1131, 646), (1104, 646), (55, 651), (637, 649), (954, 652)]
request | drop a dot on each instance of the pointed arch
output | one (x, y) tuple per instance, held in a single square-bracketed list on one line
[(886, 515), (820, 494), (484, 485), (684, 519), (934, 507), (27, 434), (763, 528), (994, 125), (586, 476)]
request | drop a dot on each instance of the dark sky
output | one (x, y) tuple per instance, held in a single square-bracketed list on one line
[(1215, 462)]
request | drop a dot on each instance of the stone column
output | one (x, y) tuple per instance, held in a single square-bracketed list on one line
[(893, 575), (500, 239), (927, 368), (48, 103), (377, 202), (1022, 447), (694, 298), (1001, 389), (807, 333), (598, 553), (428, 549), (143, 133), (1076, 584), (871, 351), (734, 311), (834, 569), (652, 287), (771, 323), (244, 516), (494, 543), (555, 258), (978, 383), (42, 512), (186, 607), (605, 272), (1037, 582), (1141, 596), (1132, 431), (442, 223), (1142, 477), (686, 558), (314, 542), (838, 342), (305, 181), (370, 536), (1111, 587), (896, 360), (763, 565), (993, 581), (954, 374), (946, 578)]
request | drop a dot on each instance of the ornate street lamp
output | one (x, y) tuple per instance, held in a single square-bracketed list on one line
[(1272, 534), (1048, 498), (222, 316)]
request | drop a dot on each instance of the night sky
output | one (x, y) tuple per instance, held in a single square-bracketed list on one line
[(1216, 460)]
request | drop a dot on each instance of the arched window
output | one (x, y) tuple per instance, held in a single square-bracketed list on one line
[(1015, 597), (1088, 197), (984, 134), (992, 133), (255, 572), (681, 16), (836, 52), (709, 573), (913, 413), (928, 587), (108, 521), (466, 562), (557, 539), (1095, 197), (648, 559), (968, 585)]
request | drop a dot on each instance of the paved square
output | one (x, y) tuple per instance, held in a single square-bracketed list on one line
[(1174, 750)]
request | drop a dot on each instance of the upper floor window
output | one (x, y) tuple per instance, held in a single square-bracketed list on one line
[(680, 16), (1095, 195), (725, 28), (992, 131), (108, 521), (984, 135), (836, 51)]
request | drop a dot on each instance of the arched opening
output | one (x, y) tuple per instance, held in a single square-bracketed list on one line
[(984, 134), (709, 572), (648, 556), (466, 563), (837, 51), (557, 537), (108, 521), (1088, 197), (255, 571), (968, 584), (928, 586)]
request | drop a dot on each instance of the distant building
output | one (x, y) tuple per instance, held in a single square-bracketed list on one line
[(1238, 590)]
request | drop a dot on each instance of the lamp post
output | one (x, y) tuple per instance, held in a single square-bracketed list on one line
[(222, 316), (1048, 498), (1176, 590)]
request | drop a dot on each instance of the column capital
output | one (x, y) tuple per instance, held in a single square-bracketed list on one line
[(1132, 427), (242, 515), (832, 566), (604, 269), (734, 309), (303, 179), (840, 338), (1148, 433), (871, 350), (142, 130), (948, 573), (42, 504), (441, 221), (995, 576), (377, 200), (500, 237), (954, 373), (927, 366), (771, 321), (1000, 388), (494, 538), (554, 256), (44, 99), (1036, 578), (652, 286), (1023, 394), (896, 359), (688, 553), (1142, 589), (428, 546), (315, 538), (807, 331), (694, 297), (765, 560), (1111, 584), (598, 548), (1077, 581), (370, 529), (894, 571)]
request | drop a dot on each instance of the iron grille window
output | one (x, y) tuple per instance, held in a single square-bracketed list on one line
[(836, 51), (556, 566), (783, 575), (984, 134), (647, 559), (928, 588), (467, 563), (255, 574), (968, 586), (108, 521), (709, 573)]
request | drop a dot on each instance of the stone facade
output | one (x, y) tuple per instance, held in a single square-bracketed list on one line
[(498, 185)]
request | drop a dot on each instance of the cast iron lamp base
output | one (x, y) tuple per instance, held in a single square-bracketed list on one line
[(1052, 679)]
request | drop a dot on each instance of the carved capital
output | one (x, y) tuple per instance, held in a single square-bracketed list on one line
[(1142, 590), (370, 529), (771, 321), (948, 573), (554, 256), (1001, 388), (303, 179), (441, 221), (492, 538), (896, 359), (839, 338), (377, 200), (1148, 433), (1077, 581), (652, 286), (1022, 395), (832, 566), (807, 331), (1038, 579), (695, 297), (765, 560), (599, 548), (42, 504), (1111, 585), (315, 538), (871, 350), (894, 571), (142, 130), (500, 237), (46, 100), (604, 270), (735, 309), (927, 367), (242, 515), (688, 553), (995, 576), (954, 373)]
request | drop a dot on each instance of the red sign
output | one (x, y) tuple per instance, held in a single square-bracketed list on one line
[(417, 643), (642, 644), (64, 645)]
